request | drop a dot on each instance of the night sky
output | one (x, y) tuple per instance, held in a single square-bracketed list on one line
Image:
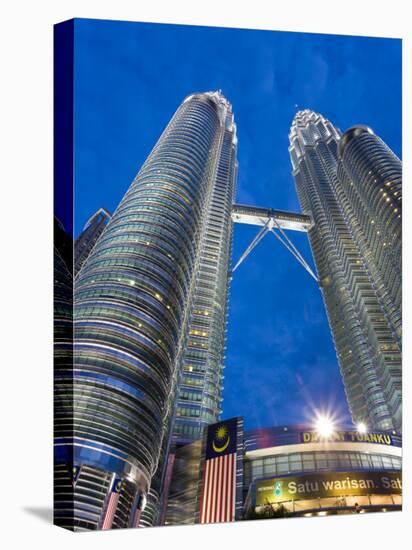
[(129, 80)]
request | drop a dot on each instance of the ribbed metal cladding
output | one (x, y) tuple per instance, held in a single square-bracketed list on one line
[(371, 175), (79, 506), (63, 296), (198, 391), (200, 386), (355, 311), (63, 361), (150, 514), (132, 306)]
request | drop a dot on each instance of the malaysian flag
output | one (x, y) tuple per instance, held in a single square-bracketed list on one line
[(218, 501), (112, 503), (138, 507)]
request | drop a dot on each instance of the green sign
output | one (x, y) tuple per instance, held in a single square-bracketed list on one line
[(329, 484)]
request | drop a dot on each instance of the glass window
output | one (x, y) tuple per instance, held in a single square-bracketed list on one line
[(344, 460), (295, 462), (269, 468), (355, 460), (387, 462), (282, 468), (257, 471), (366, 461), (308, 461), (332, 460), (257, 468), (321, 460), (377, 461)]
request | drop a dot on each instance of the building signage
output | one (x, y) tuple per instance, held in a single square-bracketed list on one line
[(330, 484), (380, 438)]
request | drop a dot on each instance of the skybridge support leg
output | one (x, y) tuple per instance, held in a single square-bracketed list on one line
[(294, 251), (252, 245), (283, 238)]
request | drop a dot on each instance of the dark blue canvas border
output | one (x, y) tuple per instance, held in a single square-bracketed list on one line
[(63, 113)]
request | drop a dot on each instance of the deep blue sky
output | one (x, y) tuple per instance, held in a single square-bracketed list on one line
[(129, 80)]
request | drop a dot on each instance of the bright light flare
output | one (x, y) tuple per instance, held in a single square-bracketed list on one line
[(362, 428), (324, 426)]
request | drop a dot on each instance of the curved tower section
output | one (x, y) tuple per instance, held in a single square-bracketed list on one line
[(88, 237), (132, 307), (371, 175), (200, 386), (362, 333), (198, 394)]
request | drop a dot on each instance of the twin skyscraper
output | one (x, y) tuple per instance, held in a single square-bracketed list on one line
[(144, 369)]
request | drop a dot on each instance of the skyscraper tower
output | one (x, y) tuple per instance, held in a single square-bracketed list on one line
[(88, 237), (158, 272), (371, 177), (344, 182), (200, 386), (198, 392)]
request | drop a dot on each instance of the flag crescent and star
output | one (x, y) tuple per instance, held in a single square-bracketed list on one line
[(222, 439)]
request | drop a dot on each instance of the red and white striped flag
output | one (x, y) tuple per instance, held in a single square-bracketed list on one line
[(112, 504), (219, 495), (218, 503), (139, 506), (136, 520)]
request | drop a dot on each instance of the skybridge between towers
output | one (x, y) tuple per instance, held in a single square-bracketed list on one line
[(273, 221)]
